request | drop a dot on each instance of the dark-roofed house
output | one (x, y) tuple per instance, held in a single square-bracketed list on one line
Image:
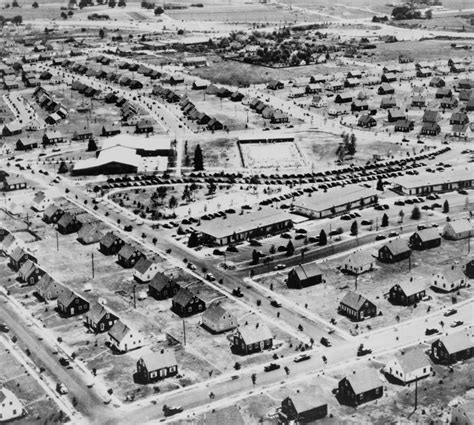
[(304, 275), (71, 304), (430, 129), (358, 262), (129, 255), (407, 292), (26, 144), (343, 98), (108, 131), (418, 101), (144, 269), (408, 366), (68, 224), (356, 307), (450, 279), (394, 251), (360, 387), (437, 82), (111, 244), (389, 77), (156, 365), (425, 239), (395, 115), (218, 320), (122, 338), (275, 85), (252, 338), (186, 303), (162, 287), (431, 116), (99, 319), (448, 103), (443, 92), (459, 117), (30, 273), (359, 105), (453, 347), (18, 257), (52, 136), (404, 125), (470, 269), (385, 89), (302, 408), (48, 288), (388, 102), (89, 233), (366, 121)]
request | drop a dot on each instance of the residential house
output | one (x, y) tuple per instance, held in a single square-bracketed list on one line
[(358, 263), (458, 229), (304, 275), (82, 135), (99, 319), (111, 244), (359, 105), (366, 121), (448, 103), (356, 307), (394, 251), (404, 126), (9, 244), (459, 117), (40, 202), (71, 304), (108, 131), (10, 406), (343, 98), (186, 303), (52, 214), (431, 116), (430, 129), (155, 365), (407, 292), (450, 279), (275, 85), (68, 224), (360, 387), (48, 288), (129, 255), (162, 287), (19, 256), (89, 233), (52, 137), (123, 338), (388, 103), (13, 183), (252, 338), (425, 239), (319, 102), (218, 320), (408, 366), (26, 144), (385, 89), (463, 413), (395, 115), (418, 101), (144, 127), (302, 408), (30, 273), (145, 269), (453, 348)]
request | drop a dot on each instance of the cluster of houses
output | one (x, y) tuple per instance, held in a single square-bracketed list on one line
[(192, 113), (268, 112), (45, 100)]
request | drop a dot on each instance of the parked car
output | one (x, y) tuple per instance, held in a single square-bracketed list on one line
[(431, 331), (275, 303), (457, 323), (324, 341), (380, 237), (4, 328), (61, 388), (450, 312), (302, 358), (271, 366), (210, 277), (279, 267), (237, 292)]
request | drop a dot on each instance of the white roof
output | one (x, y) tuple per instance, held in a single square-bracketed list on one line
[(151, 143), (430, 179), (116, 154)]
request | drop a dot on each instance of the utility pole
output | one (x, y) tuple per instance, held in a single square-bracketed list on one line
[(57, 241), (184, 333), (416, 394), (409, 263), (357, 275), (134, 297), (92, 264)]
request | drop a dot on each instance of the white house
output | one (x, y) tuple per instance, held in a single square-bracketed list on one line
[(217, 319), (123, 338), (319, 102), (10, 406), (458, 229), (408, 366), (359, 262), (40, 202), (463, 413), (449, 279), (145, 270)]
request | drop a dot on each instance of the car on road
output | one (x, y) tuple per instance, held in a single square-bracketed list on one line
[(431, 331), (64, 362), (275, 303), (237, 292), (450, 312), (462, 192), (61, 388), (4, 328), (271, 366), (210, 277), (279, 267), (324, 341), (363, 351), (171, 410), (393, 234), (191, 266), (457, 323), (302, 358), (421, 227), (380, 237)]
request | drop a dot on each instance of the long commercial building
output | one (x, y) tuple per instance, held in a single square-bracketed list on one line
[(236, 228), (335, 202), (453, 179)]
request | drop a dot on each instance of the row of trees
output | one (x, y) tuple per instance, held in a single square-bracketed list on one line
[(16, 20)]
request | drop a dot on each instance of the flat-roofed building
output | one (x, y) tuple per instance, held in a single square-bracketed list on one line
[(237, 228), (335, 202)]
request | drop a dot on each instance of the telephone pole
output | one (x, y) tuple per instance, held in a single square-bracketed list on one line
[(92, 264), (57, 241), (184, 333)]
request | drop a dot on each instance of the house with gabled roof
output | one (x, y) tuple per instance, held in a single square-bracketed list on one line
[(48, 288), (100, 319), (459, 117), (431, 116), (356, 307), (40, 202), (252, 338), (360, 387), (10, 406), (52, 214), (418, 101), (9, 244), (186, 303), (304, 275), (89, 233), (358, 262), (385, 89), (145, 269), (302, 408), (111, 244), (217, 319), (68, 223), (458, 229), (453, 348), (366, 121), (162, 286), (425, 239), (19, 256), (449, 279), (404, 125), (129, 255), (408, 366), (407, 292), (155, 365), (388, 102), (71, 304), (394, 251), (30, 273), (123, 338)]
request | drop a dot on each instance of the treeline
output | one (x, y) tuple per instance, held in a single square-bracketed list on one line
[(16, 20)]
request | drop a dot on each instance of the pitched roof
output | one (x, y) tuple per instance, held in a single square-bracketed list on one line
[(67, 296), (96, 312), (89, 232), (359, 259), (307, 271), (214, 313), (364, 380), (108, 239), (252, 335), (27, 268), (397, 246), (453, 274), (66, 219), (304, 401), (460, 226), (458, 341), (119, 331), (412, 287), (428, 234), (143, 264), (17, 254), (412, 360), (354, 300), (183, 297), (45, 283), (155, 360), (127, 251)]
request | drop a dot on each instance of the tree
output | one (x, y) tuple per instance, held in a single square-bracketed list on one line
[(122, 3), (354, 228), (17, 20), (429, 14), (173, 202), (198, 159), (35, 5), (112, 3), (62, 168), (91, 146), (290, 249), (63, 15), (446, 206), (158, 11), (101, 33), (323, 239), (415, 214), (402, 215), (161, 192), (351, 146), (15, 3), (385, 220), (255, 257), (380, 185), (193, 240)]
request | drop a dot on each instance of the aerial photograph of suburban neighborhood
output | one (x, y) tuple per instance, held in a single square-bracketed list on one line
[(236, 212)]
